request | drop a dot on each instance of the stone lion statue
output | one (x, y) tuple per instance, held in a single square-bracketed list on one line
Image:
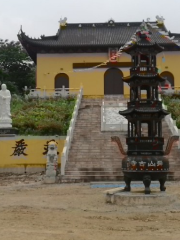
[(52, 156)]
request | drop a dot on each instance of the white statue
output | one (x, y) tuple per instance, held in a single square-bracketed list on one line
[(5, 115), (52, 154), (52, 163)]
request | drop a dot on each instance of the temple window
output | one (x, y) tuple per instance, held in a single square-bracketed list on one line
[(169, 79)]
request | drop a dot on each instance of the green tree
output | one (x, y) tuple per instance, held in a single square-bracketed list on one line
[(16, 68)]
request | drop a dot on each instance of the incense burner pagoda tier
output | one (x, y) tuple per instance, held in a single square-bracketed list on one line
[(145, 158)]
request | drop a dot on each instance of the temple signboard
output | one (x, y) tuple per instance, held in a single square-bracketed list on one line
[(113, 54)]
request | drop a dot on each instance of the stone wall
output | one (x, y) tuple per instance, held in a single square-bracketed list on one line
[(26, 154)]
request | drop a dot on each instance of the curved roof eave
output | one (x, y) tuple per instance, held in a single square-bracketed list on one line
[(138, 76), (137, 44), (149, 110)]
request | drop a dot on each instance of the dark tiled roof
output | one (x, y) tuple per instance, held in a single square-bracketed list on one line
[(101, 35), (142, 110), (158, 37), (126, 111), (98, 34), (176, 35), (91, 37), (151, 110)]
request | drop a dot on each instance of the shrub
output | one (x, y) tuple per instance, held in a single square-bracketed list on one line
[(42, 117), (173, 106), (178, 122)]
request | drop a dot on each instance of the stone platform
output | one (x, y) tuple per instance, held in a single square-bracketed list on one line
[(136, 198), (8, 131)]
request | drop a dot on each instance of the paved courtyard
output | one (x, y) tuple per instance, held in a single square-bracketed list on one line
[(33, 211)]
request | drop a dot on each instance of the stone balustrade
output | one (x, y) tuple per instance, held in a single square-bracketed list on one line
[(172, 125), (111, 120), (69, 137), (52, 93)]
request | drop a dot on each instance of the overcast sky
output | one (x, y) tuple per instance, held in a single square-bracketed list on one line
[(39, 17)]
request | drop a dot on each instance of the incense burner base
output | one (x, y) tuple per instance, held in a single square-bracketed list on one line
[(146, 169)]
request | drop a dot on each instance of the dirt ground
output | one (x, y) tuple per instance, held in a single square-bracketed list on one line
[(30, 210)]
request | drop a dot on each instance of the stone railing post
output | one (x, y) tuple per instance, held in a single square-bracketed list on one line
[(102, 117)]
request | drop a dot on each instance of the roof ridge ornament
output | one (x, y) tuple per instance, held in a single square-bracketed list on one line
[(111, 22), (20, 30), (160, 20), (63, 22), (143, 31)]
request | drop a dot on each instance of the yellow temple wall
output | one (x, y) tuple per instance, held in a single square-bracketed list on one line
[(31, 159), (171, 64), (49, 65)]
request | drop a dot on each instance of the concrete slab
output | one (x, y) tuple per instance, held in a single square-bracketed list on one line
[(118, 182), (121, 184), (137, 198)]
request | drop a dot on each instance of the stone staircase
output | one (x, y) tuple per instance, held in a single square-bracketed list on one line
[(174, 156), (93, 157)]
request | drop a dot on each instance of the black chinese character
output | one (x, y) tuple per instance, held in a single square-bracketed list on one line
[(19, 148), (46, 146)]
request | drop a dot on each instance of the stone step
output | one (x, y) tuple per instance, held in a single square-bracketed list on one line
[(94, 163), (97, 160), (88, 163), (94, 173), (91, 178), (93, 156), (82, 178), (114, 168), (109, 161), (95, 152), (91, 169)]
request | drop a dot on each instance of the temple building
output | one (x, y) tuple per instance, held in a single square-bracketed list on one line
[(84, 54)]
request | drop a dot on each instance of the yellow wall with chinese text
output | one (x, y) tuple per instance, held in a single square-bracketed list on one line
[(34, 150)]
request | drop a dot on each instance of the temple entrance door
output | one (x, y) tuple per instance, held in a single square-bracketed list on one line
[(61, 80), (113, 83), (169, 79)]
